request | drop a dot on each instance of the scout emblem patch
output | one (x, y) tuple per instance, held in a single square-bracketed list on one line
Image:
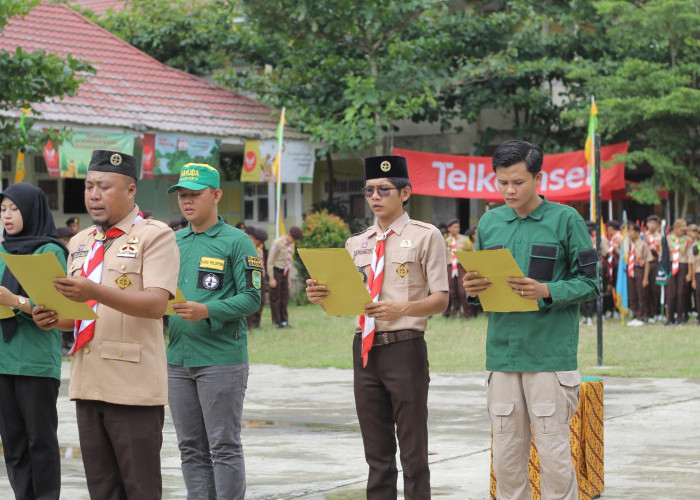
[(402, 271), (133, 240), (385, 166), (127, 250), (116, 159), (406, 244), (211, 281), (100, 237), (123, 282), (257, 279)]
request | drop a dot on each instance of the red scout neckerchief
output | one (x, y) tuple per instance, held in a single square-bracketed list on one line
[(84, 330), (288, 262), (631, 262), (675, 255), (453, 257), (374, 286), (262, 259)]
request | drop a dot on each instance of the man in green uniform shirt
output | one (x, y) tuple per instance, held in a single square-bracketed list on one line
[(531, 362), (220, 276)]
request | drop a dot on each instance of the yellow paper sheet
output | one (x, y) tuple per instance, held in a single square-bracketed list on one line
[(179, 299), (334, 268), (6, 312), (36, 274), (497, 266)]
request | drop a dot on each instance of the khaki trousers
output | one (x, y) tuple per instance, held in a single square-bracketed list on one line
[(547, 401)]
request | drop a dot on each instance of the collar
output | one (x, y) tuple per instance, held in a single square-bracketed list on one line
[(536, 214), (212, 231), (127, 222), (397, 226)]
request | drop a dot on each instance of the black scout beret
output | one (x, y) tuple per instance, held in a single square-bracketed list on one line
[(377, 167), (113, 161), (452, 221)]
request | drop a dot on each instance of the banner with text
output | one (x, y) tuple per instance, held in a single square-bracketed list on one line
[(565, 176), (164, 154), (74, 155), (297, 161)]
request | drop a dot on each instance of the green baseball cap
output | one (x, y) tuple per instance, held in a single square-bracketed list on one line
[(197, 176)]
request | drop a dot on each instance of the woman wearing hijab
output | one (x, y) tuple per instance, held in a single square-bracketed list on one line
[(30, 358)]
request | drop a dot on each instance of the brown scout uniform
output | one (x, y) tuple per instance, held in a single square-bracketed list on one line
[(637, 304), (458, 297), (119, 378), (414, 264), (677, 287), (279, 295)]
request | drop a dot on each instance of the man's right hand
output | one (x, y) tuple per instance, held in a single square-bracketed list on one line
[(473, 285), (273, 282), (315, 292)]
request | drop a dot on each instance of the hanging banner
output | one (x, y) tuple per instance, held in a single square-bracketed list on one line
[(51, 159), (75, 154), (148, 155), (565, 176), (298, 160), (174, 151)]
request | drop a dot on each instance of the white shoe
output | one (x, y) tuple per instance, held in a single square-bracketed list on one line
[(589, 321), (635, 322), (651, 320)]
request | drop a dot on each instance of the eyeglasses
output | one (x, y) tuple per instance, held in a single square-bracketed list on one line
[(382, 190)]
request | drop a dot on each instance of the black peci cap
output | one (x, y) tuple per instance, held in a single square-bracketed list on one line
[(377, 167), (113, 161)]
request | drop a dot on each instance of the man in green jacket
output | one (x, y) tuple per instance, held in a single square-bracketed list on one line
[(531, 362), (220, 276)]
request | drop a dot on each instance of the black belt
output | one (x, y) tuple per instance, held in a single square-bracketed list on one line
[(386, 338)]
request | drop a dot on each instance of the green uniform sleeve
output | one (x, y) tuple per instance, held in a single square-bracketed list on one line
[(246, 272), (582, 260)]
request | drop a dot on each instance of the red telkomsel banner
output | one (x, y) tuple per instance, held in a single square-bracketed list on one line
[(565, 176)]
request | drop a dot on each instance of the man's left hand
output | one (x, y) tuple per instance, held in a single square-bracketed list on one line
[(191, 311), (76, 288), (385, 311), (529, 288)]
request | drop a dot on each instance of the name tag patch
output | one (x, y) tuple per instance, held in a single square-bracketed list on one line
[(210, 281), (366, 250), (211, 263), (79, 253)]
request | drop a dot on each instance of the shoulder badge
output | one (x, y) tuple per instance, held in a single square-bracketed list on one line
[(254, 261)]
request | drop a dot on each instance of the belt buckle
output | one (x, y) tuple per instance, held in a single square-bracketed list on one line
[(385, 338)]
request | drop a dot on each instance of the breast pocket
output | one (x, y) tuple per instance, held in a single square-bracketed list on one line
[(402, 267), (76, 266), (362, 262), (125, 273), (543, 257)]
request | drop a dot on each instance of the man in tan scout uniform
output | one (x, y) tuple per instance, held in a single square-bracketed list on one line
[(403, 263), (653, 291), (279, 268), (455, 272), (127, 268), (637, 275)]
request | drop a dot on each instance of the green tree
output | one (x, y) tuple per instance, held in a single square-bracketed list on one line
[(543, 41), (647, 92), (27, 78), (196, 36)]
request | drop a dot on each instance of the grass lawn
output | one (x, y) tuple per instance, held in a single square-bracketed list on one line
[(317, 340)]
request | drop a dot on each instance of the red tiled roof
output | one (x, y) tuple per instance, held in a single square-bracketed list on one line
[(130, 89), (99, 6)]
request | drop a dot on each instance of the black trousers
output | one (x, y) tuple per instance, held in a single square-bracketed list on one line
[(28, 423), (653, 291), (391, 398), (121, 449), (676, 294), (279, 297)]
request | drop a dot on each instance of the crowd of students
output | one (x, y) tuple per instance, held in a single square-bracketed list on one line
[(662, 271)]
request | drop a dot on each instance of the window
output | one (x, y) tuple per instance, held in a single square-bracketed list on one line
[(263, 214), (248, 210)]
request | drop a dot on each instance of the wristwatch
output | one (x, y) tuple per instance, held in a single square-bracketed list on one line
[(20, 302)]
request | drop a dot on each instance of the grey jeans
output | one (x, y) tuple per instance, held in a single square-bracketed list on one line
[(206, 404)]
